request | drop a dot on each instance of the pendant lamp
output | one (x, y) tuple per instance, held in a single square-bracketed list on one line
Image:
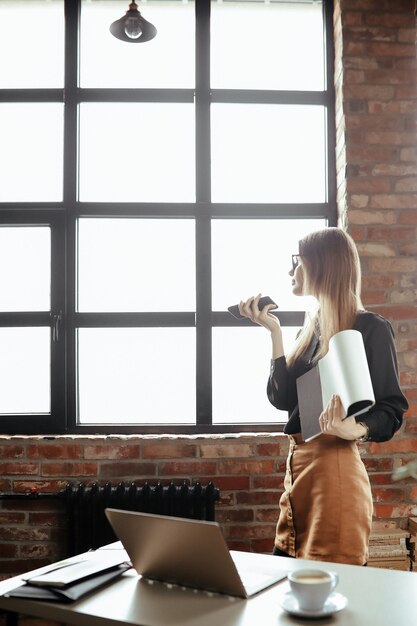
[(132, 27)]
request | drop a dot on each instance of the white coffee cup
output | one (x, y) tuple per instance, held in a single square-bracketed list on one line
[(312, 587)]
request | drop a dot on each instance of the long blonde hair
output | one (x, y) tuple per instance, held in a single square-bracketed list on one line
[(332, 274)]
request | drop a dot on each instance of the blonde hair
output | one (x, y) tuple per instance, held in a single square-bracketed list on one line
[(332, 274)]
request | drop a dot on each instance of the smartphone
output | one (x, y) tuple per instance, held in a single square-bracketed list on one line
[(234, 310)]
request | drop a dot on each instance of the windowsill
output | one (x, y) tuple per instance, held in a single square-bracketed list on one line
[(147, 436)]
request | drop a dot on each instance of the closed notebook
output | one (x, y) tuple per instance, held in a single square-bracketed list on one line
[(71, 591), (73, 570), (343, 371)]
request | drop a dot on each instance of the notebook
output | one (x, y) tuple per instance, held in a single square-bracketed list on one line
[(342, 371), (191, 553), (69, 592)]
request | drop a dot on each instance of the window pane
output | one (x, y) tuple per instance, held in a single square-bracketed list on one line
[(167, 61), (263, 249), (31, 155), (257, 45), (31, 44), (268, 153), (25, 259), (136, 375), (25, 370), (137, 153), (136, 265), (241, 364)]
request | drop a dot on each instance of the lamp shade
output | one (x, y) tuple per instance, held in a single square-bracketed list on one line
[(133, 22)]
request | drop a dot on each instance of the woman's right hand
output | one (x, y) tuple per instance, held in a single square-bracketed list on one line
[(250, 309)]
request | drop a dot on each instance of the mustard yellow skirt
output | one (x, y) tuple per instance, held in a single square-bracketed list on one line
[(326, 508)]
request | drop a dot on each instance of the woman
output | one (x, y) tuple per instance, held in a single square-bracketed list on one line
[(326, 507)]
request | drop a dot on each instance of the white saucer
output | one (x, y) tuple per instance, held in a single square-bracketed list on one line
[(335, 602)]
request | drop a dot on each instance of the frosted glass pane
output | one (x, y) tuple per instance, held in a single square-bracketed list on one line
[(31, 155), (167, 61), (136, 265), (25, 368), (268, 153), (267, 45), (241, 365), (25, 259), (136, 375), (137, 152), (260, 261), (31, 44)]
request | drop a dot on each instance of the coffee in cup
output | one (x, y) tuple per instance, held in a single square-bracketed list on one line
[(312, 587)]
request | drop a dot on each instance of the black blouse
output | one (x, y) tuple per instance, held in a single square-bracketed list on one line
[(386, 415)]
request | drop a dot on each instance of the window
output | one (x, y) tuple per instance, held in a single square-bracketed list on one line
[(143, 190)]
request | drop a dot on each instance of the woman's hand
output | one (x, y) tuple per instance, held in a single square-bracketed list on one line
[(250, 309), (333, 422)]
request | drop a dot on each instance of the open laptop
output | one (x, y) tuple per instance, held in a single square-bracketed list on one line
[(187, 552)]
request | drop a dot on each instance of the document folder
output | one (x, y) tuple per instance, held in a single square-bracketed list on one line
[(70, 592)]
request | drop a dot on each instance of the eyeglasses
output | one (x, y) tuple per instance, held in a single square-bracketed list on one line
[(295, 258)]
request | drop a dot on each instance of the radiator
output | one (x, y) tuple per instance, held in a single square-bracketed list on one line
[(88, 526)]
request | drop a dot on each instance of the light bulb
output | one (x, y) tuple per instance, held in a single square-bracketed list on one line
[(132, 27)]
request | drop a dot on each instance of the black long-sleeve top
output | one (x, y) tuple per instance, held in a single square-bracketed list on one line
[(386, 415)]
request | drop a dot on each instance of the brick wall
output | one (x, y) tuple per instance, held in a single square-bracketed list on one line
[(248, 469), (376, 107)]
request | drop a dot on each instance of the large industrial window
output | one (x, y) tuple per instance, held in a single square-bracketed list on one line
[(146, 187)]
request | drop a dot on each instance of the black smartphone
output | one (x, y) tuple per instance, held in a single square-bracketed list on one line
[(234, 310)]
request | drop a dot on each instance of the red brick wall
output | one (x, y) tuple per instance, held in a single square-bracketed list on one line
[(376, 107), (248, 469)]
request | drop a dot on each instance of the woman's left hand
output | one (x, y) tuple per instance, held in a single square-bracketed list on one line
[(333, 421)]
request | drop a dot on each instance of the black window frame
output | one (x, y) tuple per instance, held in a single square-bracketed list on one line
[(63, 318)]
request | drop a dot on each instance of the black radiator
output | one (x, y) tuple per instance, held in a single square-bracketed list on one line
[(88, 526)]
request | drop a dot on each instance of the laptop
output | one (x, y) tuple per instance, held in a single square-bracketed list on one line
[(191, 553), (310, 403)]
